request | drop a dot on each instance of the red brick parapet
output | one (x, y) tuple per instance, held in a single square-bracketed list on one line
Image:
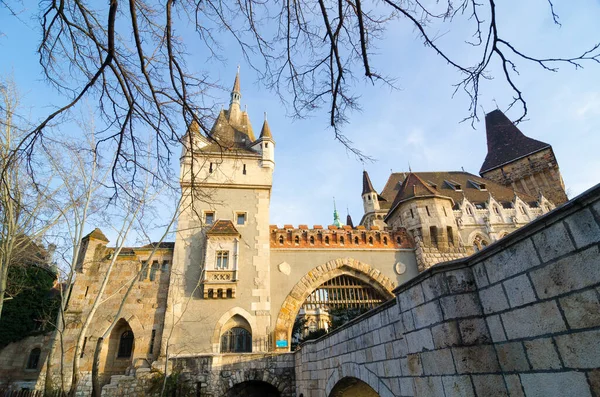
[(342, 238)]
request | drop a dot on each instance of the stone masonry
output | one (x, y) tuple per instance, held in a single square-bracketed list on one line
[(520, 318)]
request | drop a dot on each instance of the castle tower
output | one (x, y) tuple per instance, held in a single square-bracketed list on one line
[(373, 215), (221, 260), (522, 163)]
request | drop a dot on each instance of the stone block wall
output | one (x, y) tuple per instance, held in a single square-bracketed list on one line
[(520, 318)]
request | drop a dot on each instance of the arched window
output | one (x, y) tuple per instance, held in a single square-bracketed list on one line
[(236, 340), (385, 241), (399, 240), (280, 239), (327, 240), (34, 358), (297, 240), (342, 240), (371, 240), (312, 239), (125, 345), (355, 240)]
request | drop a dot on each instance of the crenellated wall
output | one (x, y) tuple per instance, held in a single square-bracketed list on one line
[(520, 318)]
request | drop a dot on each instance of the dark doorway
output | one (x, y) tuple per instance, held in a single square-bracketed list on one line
[(253, 388)]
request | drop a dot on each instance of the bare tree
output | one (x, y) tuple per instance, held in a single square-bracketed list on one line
[(131, 58), (25, 215)]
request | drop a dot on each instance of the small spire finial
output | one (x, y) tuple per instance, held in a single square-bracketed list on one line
[(462, 168), (409, 169), (334, 208), (238, 68), (265, 116)]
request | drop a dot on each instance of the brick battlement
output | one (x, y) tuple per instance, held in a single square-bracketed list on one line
[(333, 237)]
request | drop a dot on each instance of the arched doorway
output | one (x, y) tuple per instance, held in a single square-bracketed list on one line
[(121, 346), (352, 387), (253, 388), (316, 279)]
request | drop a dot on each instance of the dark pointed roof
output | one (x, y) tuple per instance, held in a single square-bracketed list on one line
[(349, 221), (97, 234), (266, 131), (506, 142), (367, 185), (413, 186), (223, 227)]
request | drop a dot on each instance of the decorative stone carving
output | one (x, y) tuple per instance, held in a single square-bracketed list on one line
[(285, 268), (400, 268)]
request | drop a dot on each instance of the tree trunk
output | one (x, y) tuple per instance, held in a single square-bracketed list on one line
[(96, 389)]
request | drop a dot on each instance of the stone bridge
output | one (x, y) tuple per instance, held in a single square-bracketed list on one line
[(520, 318)]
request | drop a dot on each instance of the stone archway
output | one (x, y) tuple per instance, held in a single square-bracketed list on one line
[(352, 387), (253, 388), (317, 276)]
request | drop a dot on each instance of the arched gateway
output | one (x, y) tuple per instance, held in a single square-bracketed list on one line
[(315, 278)]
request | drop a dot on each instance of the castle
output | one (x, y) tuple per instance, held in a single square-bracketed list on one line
[(231, 283)]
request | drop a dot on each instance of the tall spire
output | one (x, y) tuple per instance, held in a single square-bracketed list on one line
[(367, 185), (336, 217), (236, 96)]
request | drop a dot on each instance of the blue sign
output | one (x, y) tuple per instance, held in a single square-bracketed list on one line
[(281, 343)]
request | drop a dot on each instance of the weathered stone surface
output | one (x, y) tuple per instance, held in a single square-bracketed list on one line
[(496, 329), (437, 362), (542, 354), (558, 384), (458, 386), (579, 350), (519, 291), (463, 305), (538, 319), (445, 335), (493, 299), (489, 385), (475, 359), (512, 357), (553, 242), (513, 260), (584, 228), (582, 310), (473, 331), (568, 274)]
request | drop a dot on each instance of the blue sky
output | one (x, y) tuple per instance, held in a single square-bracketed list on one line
[(417, 124)]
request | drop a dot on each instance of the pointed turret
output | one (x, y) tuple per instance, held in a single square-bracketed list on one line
[(266, 130), (367, 185), (519, 162), (349, 221), (505, 142), (369, 195)]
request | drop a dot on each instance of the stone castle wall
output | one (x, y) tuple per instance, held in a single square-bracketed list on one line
[(520, 318)]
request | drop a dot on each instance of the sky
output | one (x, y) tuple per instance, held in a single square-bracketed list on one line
[(418, 125)]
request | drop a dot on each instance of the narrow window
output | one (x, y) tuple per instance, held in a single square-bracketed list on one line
[(229, 293), (385, 241), (86, 291), (125, 345), (445, 213), (371, 240), (222, 259), (241, 218), (327, 240), (342, 240), (244, 170), (34, 358), (83, 347), (266, 144), (522, 210), (297, 240), (427, 209), (220, 294), (280, 239), (398, 240), (469, 211), (210, 168), (209, 218), (450, 236), (412, 214), (355, 240), (369, 198), (144, 272), (433, 235), (165, 266), (151, 349), (153, 270), (496, 210), (312, 239)]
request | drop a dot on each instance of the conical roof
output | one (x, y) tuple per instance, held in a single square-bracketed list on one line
[(506, 142), (349, 221), (97, 234), (367, 185), (266, 130), (236, 83)]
